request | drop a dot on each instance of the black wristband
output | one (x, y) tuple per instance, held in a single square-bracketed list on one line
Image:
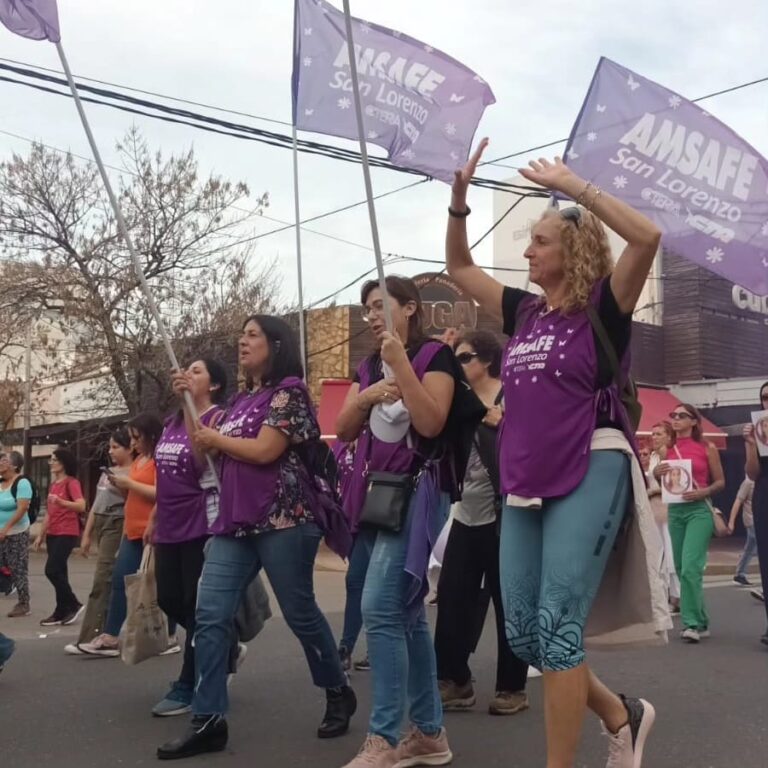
[(459, 214)]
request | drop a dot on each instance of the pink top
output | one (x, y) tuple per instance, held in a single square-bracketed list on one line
[(697, 453)]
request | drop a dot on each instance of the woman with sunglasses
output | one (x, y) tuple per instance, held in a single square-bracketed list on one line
[(662, 440), (470, 568), (757, 470), (690, 522), (568, 469)]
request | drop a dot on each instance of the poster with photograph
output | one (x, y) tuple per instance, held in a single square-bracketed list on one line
[(760, 420), (677, 481)]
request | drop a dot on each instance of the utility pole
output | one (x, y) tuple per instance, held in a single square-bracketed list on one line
[(28, 399)]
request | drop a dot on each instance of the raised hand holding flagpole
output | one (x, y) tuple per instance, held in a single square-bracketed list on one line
[(366, 168), (38, 20)]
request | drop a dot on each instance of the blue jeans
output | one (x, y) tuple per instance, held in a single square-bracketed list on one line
[(6, 649), (355, 581), (127, 562), (402, 657), (750, 547), (288, 558), (552, 562)]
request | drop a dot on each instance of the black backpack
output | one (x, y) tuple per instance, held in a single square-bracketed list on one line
[(34, 503), (628, 392)]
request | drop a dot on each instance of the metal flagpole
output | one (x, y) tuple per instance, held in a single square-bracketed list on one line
[(366, 169), (123, 228), (302, 331)]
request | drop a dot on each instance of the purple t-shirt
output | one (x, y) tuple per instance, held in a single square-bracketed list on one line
[(261, 497), (553, 398), (187, 499)]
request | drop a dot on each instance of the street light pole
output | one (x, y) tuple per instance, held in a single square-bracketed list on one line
[(28, 398)]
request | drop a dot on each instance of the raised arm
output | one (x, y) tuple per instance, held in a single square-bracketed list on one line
[(484, 289), (641, 234)]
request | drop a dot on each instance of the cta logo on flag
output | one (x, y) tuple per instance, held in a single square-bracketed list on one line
[(35, 19), (704, 186), (421, 105)]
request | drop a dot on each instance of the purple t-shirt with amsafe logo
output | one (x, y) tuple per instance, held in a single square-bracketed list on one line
[(187, 499), (555, 392)]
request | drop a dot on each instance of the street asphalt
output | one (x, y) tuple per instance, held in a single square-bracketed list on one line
[(60, 711)]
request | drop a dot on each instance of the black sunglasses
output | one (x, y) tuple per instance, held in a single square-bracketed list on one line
[(572, 214), (465, 358), (682, 415)]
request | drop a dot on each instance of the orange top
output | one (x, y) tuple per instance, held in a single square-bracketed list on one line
[(138, 507)]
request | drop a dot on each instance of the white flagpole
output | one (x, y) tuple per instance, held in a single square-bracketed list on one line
[(123, 229), (302, 331), (366, 169)]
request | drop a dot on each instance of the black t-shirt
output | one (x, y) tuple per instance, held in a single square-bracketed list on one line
[(617, 325)]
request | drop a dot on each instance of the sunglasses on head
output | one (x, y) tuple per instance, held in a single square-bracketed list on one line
[(465, 358), (681, 415), (572, 214)]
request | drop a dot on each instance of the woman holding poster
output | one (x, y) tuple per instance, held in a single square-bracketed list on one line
[(690, 521), (568, 470), (757, 470)]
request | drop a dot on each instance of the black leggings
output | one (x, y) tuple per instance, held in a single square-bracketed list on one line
[(760, 509), (469, 580), (59, 549)]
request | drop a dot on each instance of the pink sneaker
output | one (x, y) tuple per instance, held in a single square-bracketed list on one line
[(377, 752), (417, 748)]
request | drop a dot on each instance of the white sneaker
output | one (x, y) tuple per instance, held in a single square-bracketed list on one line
[(690, 635), (73, 650), (173, 646), (704, 634), (625, 748)]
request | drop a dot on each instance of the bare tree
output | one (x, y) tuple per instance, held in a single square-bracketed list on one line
[(54, 210)]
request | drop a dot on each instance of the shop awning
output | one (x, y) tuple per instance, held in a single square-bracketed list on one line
[(659, 403), (332, 394)]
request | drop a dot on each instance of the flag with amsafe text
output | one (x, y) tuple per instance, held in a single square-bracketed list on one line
[(703, 185), (420, 104)]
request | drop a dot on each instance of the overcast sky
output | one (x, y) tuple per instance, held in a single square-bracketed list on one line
[(538, 58)]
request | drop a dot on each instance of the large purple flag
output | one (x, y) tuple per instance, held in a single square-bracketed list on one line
[(421, 105), (704, 186), (36, 19)]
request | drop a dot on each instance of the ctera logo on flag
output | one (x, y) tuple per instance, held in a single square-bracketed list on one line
[(704, 186), (421, 105), (35, 19)]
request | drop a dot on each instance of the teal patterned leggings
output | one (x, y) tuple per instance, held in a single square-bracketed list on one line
[(553, 559)]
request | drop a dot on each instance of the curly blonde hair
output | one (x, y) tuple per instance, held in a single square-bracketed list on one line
[(586, 256)]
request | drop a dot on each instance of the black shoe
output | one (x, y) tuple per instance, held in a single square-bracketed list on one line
[(345, 657), (364, 665), (764, 638), (743, 580), (341, 705), (54, 620), (208, 733)]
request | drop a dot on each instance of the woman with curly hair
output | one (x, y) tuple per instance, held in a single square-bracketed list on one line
[(568, 468)]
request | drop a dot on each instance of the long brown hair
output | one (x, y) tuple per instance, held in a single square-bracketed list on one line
[(667, 427), (403, 290), (696, 433)]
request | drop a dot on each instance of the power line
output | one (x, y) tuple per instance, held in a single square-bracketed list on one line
[(154, 93)]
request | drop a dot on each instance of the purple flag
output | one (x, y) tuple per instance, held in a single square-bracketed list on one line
[(704, 186), (36, 19), (421, 105)]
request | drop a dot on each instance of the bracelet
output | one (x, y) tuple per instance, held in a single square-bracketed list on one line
[(598, 192), (584, 192), (459, 214)]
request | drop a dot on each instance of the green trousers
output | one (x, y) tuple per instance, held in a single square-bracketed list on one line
[(691, 528)]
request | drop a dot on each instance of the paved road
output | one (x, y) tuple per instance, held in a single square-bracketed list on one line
[(69, 712)]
